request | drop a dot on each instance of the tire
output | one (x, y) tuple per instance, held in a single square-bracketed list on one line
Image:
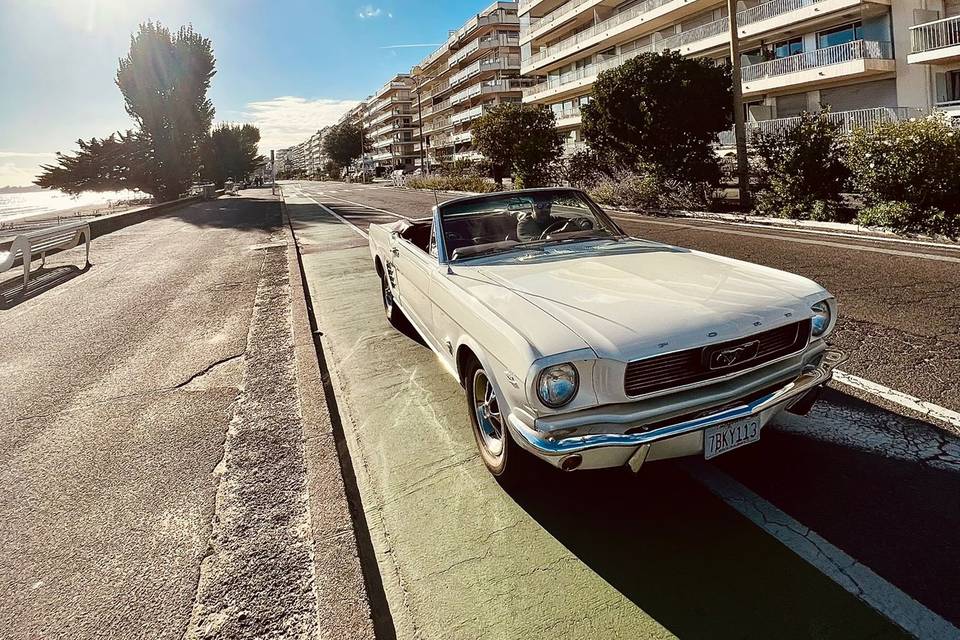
[(496, 446), (389, 304)]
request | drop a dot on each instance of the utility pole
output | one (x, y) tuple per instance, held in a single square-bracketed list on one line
[(739, 126)]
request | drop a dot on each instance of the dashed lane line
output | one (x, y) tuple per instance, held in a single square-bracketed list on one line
[(856, 578), (366, 206)]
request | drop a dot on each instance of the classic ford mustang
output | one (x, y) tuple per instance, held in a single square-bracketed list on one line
[(589, 348)]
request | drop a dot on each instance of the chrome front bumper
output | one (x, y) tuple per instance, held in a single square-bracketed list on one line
[(599, 450)]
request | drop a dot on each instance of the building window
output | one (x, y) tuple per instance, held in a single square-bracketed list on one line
[(840, 35), (953, 86), (788, 48)]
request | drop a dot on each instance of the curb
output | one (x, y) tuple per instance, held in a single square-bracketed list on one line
[(350, 598)]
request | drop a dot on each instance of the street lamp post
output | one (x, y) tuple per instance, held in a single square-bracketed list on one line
[(739, 125), (423, 156)]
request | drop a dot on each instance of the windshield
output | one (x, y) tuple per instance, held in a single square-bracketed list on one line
[(519, 220)]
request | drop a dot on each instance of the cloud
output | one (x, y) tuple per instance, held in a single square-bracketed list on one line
[(20, 168), (368, 11), (289, 120)]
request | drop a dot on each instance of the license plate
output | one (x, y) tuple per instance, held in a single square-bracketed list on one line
[(729, 436)]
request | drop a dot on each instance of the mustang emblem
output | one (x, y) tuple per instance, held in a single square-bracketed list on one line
[(732, 356)]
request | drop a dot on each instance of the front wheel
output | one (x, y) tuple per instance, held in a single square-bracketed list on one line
[(497, 449), (389, 304)]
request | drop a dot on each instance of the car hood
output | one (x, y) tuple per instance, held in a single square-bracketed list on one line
[(633, 299)]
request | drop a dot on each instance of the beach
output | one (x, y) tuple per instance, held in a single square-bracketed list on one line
[(25, 210)]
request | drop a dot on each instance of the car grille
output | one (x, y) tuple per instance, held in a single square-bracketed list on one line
[(693, 365)]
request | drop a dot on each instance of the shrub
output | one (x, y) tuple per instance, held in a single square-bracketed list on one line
[(474, 184), (903, 216), (915, 162), (801, 169), (628, 190), (583, 170)]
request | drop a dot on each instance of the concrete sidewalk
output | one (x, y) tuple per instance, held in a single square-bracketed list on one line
[(165, 428)]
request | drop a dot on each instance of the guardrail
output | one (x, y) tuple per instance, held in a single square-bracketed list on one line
[(935, 35), (847, 52)]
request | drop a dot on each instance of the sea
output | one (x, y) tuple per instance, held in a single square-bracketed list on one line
[(22, 205)]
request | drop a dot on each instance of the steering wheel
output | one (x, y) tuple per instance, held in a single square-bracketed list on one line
[(556, 226)]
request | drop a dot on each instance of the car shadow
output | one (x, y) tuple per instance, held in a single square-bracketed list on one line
[(41, 280), (666, 543)]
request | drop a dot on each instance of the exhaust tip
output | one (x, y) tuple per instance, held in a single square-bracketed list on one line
[(571, 463)]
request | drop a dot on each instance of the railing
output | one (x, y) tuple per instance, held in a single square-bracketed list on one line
[(709, 30), (436, 124), (583, 73), (855, 50), (468, 115), (772, 9), (490, 86), (572, 112), (466, 136), (935, 35), (610, 23), (847, 120), (570, 148), (506, 62), (559, 13)]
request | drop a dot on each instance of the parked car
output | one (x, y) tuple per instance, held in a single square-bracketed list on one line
[(589, 348)]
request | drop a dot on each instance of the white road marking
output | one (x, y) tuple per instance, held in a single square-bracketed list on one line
[(337, 216), (858, 579), (823, 232), (366, 206), (899, 398), (822, 243)]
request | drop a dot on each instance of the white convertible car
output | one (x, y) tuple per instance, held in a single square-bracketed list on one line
[(589, 348)]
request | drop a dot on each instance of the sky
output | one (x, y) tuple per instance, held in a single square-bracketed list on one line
[(288, 66)]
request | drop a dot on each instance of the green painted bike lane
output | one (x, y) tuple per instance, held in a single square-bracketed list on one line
[(584, 555)]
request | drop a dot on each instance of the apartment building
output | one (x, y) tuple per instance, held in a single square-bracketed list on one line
[(935, 46), (866, 60), (477, 67), (388, 123)]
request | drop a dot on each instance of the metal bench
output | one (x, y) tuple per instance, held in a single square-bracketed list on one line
[(31, 245)]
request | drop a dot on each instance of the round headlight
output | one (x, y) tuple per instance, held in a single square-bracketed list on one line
[(821, 319), (557, 385)]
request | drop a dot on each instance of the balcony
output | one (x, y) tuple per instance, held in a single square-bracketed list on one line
[(571, 148), (573, 81), (847, 120), (644, 16), (461, 138), (482, 44), (491, 86), (935, 42), (560, 15), (482, 66), (468, 115), (856, 58), (568, 118)]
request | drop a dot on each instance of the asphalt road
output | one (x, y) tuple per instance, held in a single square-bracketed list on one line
[(670, 551), (153, 463)]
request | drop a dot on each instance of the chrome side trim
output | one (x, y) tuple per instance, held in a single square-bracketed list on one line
[(817, 376)]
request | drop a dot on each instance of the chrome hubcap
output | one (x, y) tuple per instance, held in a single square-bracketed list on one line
[(487, 410), (387, 296)]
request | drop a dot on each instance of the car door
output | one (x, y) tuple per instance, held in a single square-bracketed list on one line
[(413, 267)]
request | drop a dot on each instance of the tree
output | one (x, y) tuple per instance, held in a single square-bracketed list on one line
[(113, 163), (802, 169), (164, 81), (344, 143), (661, 109), (230, 151), (521, 139)]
